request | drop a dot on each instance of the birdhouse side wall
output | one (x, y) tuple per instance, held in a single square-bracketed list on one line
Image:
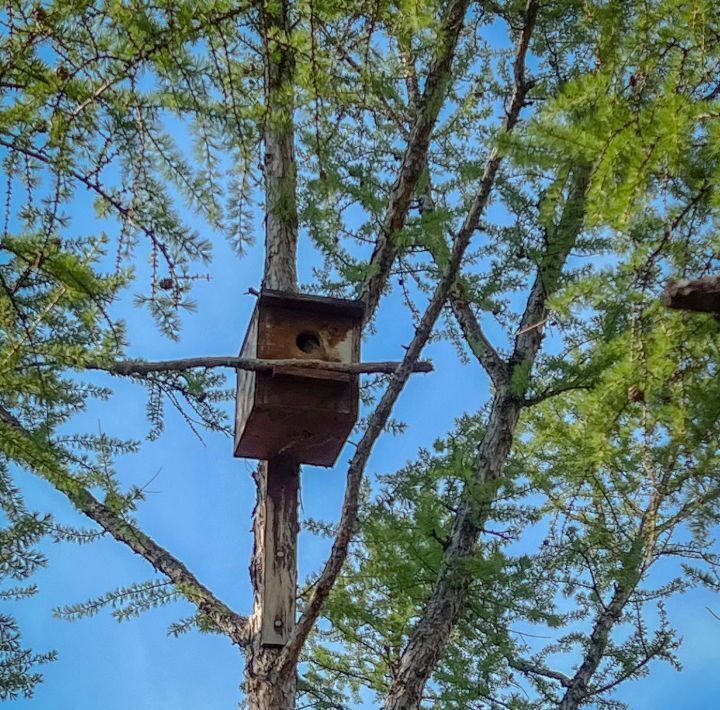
[(246, 381)]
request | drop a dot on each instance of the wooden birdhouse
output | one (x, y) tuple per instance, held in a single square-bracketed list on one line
[(306, 414)]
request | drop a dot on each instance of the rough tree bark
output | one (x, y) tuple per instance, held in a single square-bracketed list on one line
[(273, 568), (447, 601), (427, 108), (701, 295)]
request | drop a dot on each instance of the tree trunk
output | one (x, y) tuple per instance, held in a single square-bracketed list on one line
[(281, 220), (264, 688), (273, 568), (430, 636), (447, 602)]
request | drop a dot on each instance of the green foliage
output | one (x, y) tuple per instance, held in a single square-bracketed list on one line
[(617, 457), (19, 533), (17, 677), (608, 188), (630, 478), (395, 561), (625, 478), (126, 602)]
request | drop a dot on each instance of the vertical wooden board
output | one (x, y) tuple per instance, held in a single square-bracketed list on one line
[(280, 558)]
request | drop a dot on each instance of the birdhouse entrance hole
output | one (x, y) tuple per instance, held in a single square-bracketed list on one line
[(308, 342)]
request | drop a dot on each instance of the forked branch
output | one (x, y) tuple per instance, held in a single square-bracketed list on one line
[(415, 156), (497, 368), (378, 419), (533, 669)]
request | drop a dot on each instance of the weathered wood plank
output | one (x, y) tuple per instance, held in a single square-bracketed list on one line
[(145, 367), (280, 530)]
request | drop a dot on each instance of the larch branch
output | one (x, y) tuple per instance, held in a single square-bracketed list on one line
[(414, 158), (534, 669), (479, 344), (44, 461), (577, 690), (430, 635), (378, 419)]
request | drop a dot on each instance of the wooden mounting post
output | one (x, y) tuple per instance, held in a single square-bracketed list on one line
[(280, 477)]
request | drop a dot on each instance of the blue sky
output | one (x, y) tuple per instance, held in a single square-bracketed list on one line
[(199, 507)]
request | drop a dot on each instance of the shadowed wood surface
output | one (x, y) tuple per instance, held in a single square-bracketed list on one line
[(280, 529), (701, 295)]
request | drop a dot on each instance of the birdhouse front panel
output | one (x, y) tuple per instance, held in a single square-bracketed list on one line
[(301, 412), (307, 335)]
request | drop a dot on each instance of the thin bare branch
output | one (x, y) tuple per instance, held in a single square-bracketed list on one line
[(533, 669), (497, 368), (142, 367)]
